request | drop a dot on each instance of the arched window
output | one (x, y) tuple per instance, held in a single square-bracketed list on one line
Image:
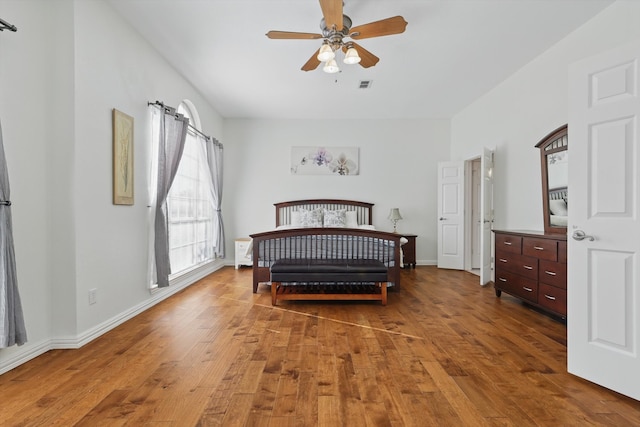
[(189, 203)]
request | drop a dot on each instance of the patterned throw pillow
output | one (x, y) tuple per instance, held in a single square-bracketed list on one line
[(335, 218), (310, 218)]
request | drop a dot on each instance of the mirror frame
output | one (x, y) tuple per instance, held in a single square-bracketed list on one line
[(545, 150)]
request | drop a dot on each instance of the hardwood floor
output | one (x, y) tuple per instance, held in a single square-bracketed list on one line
[(443, 352)]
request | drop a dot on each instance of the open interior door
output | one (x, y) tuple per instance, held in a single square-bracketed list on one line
[(603, 295), (486, 214), (451, 215)]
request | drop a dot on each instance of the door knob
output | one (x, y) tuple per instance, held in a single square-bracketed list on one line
[(579, 235), (442, 218)]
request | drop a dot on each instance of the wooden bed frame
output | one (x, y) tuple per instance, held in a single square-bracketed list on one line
[(289, 239)]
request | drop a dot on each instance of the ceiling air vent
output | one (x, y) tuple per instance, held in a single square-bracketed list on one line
[(365, 84)]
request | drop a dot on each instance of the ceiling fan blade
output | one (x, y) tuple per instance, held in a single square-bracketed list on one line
[(367, 59), (385, 27), (312, 63), (332, 12), (292, 35)]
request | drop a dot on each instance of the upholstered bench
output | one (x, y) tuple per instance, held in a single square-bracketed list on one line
[(328, 279)]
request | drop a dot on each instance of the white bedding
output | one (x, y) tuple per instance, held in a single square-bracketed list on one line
[(559, 220)]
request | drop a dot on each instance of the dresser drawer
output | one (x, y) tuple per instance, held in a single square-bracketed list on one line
[(509, 243), (523, 265), (517, 285), (562, 251), (540, 248), (553, 273), (241, 249), (242, 244), (553, 298)]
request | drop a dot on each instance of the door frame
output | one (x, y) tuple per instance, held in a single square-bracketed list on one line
[(468, 216), (469, 209)]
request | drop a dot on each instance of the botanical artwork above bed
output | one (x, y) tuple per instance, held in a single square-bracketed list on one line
[(325, 161)]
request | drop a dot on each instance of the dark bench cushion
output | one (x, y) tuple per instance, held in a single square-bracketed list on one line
[(328, 270)]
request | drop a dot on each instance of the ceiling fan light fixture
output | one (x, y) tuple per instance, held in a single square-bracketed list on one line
[(331, 67), (351, 56), (326, 53)]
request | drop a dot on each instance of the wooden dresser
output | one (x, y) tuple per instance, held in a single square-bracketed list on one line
[(532, 266)]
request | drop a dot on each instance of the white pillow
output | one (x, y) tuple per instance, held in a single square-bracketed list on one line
[(334, 218), (310, 218), (287, 227), (366, 227), (352, 219), (558, 207), (295, 219)]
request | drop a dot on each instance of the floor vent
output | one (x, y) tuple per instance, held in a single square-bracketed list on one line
[(365, 84)]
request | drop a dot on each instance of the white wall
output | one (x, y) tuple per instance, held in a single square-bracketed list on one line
[(31, 87), (398, 165), (61, 74), (518, 113)]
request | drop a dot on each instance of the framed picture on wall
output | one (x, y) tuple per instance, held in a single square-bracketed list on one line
[(122, 158), (325, 161)]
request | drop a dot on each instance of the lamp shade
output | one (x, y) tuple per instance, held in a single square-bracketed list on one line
[(326, 53), (331, 67), (394, 214), (351, 57)]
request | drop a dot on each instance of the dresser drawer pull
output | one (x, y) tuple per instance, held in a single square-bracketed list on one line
[(550, 273), (528, 267), (502, 260), (538, 248), (527, 289), (502, 279), (549, 297), (507, 243)]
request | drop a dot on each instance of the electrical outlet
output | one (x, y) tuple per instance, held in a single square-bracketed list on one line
[(92, 296)]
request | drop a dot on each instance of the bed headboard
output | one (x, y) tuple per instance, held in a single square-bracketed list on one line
[(558, 193), (284, 209)]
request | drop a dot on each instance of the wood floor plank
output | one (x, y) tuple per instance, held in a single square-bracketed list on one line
[(443, 352)]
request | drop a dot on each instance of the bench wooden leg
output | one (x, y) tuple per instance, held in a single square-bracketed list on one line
[(383, 292), (274, 292)]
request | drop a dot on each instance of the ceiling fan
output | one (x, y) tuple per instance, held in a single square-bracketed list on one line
[(336, 27)]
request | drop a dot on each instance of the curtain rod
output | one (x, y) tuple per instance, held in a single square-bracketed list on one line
[(4, 25), (172, 111)]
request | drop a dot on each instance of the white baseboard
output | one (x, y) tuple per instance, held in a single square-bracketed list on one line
[(25, 353), (31, 351)]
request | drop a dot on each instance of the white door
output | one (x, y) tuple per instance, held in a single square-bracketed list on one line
[(476, 214), (451, 215), (486, 214), (604, 203)]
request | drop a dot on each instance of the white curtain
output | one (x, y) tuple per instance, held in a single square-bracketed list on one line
[(170, 138), (12, 329), (213, 154)]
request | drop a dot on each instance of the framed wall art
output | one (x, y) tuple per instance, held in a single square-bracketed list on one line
[(122, 158), (325, 161)]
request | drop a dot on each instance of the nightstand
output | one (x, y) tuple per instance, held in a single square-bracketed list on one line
[(241, 249), (409, 250)]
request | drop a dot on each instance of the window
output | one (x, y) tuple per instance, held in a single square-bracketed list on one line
[(189, 204)]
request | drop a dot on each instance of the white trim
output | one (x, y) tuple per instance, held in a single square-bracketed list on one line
[(75, 342), (29, 352)]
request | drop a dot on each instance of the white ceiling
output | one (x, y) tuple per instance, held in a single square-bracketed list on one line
[(452, 52)]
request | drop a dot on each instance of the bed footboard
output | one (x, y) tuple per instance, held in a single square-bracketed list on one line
[(325, 243)]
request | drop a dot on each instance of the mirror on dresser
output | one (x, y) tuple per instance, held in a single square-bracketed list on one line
[(554, 160)]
